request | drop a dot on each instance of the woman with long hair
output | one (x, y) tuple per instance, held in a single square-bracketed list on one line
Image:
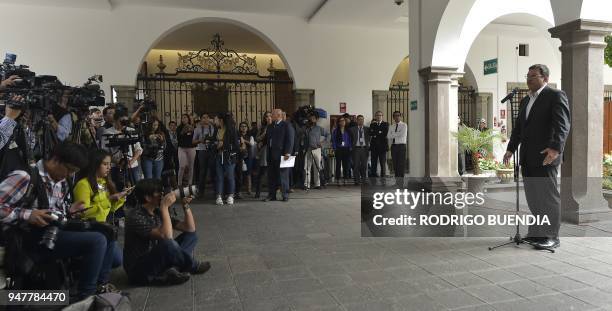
[(228, 151), (246, 159), (341, 142), (153, 154), (100, 197), (261, 162), (186, 149)]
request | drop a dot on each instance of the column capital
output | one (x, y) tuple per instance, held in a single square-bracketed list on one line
[(582, 32), (440, 74)]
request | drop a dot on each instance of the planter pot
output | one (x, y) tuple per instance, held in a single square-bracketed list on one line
[(488, 173), (475, 163), (476, 183), (505, 174)]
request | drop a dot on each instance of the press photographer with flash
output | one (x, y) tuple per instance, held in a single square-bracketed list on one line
[(33, 205), (151, 253)]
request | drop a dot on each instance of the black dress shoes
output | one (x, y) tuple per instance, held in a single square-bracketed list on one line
[(268, 199), (285, 199), (547, 243), (532, 239)]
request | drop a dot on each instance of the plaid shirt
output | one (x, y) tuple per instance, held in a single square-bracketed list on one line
[(7, 126), (14, 187)]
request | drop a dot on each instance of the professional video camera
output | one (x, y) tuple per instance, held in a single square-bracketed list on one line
[(301, 115), (122, 140), (89, 94)]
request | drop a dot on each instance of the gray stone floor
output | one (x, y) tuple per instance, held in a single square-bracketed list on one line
[(308, 254)]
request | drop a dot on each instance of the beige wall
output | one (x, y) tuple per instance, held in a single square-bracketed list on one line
[(171, 60)]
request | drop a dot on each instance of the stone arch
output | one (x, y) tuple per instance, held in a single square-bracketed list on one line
[(469, 78), (241, 24), (397, 75), (461, 24)]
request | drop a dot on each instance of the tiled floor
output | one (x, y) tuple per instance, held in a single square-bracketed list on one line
[(308, 254)]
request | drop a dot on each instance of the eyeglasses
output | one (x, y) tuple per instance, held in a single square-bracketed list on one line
[(528, 77)]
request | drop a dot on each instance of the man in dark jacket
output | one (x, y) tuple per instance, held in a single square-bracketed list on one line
[(379, 143), (280, 143), (360, 138), (541, 129)]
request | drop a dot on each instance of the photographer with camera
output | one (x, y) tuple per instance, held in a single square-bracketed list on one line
[(151, 254), (120, 129), (204, 137), (61, 118), (35, 204), (100, 197), (226, 158), (153, 154), (312, 144)]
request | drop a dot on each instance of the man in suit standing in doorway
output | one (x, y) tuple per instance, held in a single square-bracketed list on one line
[(541, 129), (379, 145), (360, 138), (280, 143)]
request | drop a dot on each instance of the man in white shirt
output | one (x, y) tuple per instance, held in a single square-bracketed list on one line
[(203, 135), (398, 132)]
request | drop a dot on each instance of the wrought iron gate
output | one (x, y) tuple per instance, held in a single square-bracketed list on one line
[(397, 100), (214, 80), (467, 106)]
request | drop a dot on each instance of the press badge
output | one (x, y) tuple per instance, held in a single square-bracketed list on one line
[(13, 145), (342, 144)]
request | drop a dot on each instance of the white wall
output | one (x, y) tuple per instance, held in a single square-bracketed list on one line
[(500, 41), (342, 64)]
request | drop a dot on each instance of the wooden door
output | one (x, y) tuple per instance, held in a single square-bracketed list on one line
[(607, 135)]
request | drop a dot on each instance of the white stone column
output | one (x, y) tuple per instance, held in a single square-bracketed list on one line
[(126, 95), (582, 47), (440, 146), (304, 97)]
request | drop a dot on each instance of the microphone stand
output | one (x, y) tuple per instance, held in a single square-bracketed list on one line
[(517, 239)]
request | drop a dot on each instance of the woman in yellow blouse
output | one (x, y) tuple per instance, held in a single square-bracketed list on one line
[(100, 197)]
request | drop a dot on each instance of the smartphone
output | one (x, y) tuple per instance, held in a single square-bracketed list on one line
[(129, 190)]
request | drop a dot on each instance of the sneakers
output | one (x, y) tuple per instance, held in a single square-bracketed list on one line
[(201, 267), (172, 277), (219, 200), (107, 288), (230, 200)]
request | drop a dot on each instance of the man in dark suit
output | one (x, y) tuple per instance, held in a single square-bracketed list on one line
[(280, 137), (360, 138), (541, 129), (379, 143)]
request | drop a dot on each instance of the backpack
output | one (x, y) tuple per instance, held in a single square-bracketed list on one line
[(102, 302)]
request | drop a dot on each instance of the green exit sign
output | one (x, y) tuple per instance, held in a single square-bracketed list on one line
[(490, 66)]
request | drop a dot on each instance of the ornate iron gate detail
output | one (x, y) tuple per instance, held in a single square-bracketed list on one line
[(398, 100), (213, 80), (467, 106)]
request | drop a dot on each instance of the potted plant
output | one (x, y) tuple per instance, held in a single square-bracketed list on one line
[(488, 166), (479, 143), (505, 172)]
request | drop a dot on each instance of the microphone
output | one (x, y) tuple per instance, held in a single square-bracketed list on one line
[(510, 95)]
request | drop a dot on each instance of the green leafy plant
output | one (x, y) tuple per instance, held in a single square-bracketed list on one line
[(607, 172), (608, 51), (479, 143), (488, 164)]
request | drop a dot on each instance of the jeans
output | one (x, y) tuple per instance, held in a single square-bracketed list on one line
[(93, 249), (227, 168), (152, 168), (206, 162), (112, 259), (177, 253)]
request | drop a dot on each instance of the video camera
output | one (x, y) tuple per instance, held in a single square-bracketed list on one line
[(122, 140), (301, 115), (43, 91)]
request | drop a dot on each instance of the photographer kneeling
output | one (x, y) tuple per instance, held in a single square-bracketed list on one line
[(151, 255), (42, 205), (100, 197)]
